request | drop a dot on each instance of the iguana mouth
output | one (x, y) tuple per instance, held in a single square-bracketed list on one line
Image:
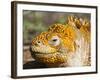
[(34, 53)]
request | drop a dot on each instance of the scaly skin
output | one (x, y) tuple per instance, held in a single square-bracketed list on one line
[(62, 45)]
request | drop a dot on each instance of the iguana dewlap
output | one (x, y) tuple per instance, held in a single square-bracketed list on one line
[(62, 45)]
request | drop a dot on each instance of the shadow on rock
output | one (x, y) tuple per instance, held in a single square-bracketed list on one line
[(33, 65)]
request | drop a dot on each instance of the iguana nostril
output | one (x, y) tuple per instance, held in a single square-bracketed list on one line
[(37, 43)]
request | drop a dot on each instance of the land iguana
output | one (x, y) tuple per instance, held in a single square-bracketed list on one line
[(64, 45)]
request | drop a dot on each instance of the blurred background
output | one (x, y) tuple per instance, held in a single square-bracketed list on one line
[(35, 22)]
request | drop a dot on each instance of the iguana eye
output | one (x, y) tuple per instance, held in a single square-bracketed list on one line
[(55, 41), (38, 42)]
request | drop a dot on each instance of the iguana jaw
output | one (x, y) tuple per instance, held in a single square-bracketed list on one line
[(43, 50), (50, 59)]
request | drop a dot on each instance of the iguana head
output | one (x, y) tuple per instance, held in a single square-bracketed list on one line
[(51, 47)]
